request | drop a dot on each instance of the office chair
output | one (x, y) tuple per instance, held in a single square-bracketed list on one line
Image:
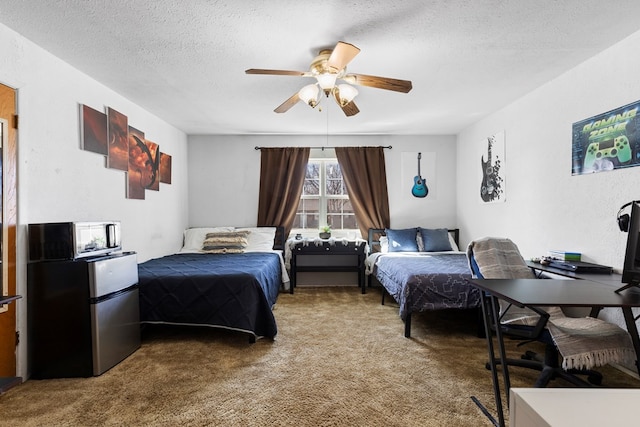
[(501, 259)]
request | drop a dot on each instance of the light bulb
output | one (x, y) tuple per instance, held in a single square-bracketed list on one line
[(326, 81), (309, 94), (347, 93)]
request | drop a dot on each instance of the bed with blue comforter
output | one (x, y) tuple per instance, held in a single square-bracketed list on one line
[(423, 280), (232, 291)]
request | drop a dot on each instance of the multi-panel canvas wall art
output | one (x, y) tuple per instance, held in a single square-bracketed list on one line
[(136, 170), (151, 159), (165, 168), (94, 130), (126, 149), (144, 168), (117, 132)]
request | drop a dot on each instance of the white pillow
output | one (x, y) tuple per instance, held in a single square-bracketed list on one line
[(194, 237), (260, 239), (384, 244)]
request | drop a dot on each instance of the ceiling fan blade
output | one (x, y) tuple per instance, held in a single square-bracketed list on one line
[(278, 72), (349, 109), (284, 107), (387, 83), (342, 54)]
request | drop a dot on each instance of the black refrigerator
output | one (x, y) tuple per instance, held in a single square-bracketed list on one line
[(83, 315)]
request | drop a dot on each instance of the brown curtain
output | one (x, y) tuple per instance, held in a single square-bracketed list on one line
[(365, 176), (282, 172)]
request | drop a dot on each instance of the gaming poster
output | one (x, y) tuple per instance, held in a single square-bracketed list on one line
[(607, 141)]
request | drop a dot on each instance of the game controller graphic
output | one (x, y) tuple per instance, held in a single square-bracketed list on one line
[(614, 148)]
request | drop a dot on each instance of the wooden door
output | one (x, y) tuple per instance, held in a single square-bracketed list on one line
[(8, 214)]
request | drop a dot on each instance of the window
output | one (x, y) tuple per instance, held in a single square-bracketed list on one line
[(324, 200)]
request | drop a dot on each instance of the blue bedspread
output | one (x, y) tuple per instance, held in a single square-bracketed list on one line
[(232, 291), (421, 281)]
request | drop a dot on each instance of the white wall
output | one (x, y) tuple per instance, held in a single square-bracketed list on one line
[(224, 176), (57, 181), (546, 207)]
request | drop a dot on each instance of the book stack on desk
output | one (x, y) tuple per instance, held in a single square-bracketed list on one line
[(565, 255)]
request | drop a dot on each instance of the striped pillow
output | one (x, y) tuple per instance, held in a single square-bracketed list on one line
[(226, 242)]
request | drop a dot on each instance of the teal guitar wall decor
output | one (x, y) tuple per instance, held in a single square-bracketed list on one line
[(419, 186)]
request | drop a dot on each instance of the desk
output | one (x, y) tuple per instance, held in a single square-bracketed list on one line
[(547, 293), (613, 279), (332, 255)]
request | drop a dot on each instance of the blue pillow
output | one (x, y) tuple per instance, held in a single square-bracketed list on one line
[(435, 240), (402, 240)]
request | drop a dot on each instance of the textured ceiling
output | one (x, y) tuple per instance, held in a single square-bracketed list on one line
[(185, 61)]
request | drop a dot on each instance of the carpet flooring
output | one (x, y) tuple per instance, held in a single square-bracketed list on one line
[(340, 359)]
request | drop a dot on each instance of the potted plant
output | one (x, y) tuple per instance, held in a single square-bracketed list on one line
[(325, 232)]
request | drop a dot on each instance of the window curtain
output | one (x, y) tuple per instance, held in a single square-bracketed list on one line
[(365, 177), (282, 172)]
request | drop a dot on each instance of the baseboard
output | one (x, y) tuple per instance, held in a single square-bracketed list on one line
[(8, 383)]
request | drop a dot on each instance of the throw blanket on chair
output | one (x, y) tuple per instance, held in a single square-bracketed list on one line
[(584, 342)]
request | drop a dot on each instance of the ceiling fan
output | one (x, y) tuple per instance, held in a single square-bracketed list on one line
[(329, 66)]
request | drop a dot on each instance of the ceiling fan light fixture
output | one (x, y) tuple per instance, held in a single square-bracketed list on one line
[(309, 94), (328, 67), (347, 93), (327, 81)]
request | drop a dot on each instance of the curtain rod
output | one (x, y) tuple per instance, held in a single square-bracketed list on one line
[(321, 148)]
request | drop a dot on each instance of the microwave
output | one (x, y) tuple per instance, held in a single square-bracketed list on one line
[(72, 240)]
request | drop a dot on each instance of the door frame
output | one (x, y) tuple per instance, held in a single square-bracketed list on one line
[(8, 337)]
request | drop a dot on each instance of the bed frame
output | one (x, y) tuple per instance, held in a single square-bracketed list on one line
[(374, 246), (279, 240)]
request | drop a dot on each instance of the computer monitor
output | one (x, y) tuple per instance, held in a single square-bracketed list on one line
[(631, 269)]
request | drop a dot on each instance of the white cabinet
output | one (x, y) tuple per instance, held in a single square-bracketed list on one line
[(574, 407)]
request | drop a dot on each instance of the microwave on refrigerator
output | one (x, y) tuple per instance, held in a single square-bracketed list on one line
[(72, 240)]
